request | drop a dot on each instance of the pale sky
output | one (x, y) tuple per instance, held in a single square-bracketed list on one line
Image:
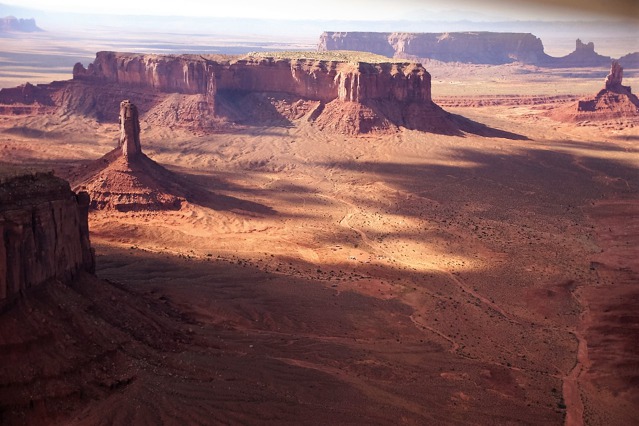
[(327, 9)]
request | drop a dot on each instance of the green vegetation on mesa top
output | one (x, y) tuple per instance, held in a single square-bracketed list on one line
[(333, 55)]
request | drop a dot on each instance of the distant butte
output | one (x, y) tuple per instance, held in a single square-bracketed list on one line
[(13, 24), (614, 101)]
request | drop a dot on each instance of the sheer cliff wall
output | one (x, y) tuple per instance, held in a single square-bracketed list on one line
[(44, 233), (310, 79)]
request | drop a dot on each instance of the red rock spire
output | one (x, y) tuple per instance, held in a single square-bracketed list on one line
[(129, 130)]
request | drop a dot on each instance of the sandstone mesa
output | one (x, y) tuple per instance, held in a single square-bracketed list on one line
[(343, 96)]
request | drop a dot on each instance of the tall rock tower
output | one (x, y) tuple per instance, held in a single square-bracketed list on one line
[(129, 130)]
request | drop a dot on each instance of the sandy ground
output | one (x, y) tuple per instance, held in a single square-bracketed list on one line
[(406, 279)]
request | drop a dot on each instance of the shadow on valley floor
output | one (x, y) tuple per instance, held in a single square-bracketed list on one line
[(220, 202), (473, 127), (32, 133), (626, 137), (348, 329), (595, 146), (536, 178)]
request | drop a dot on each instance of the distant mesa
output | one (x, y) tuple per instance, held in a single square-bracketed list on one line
[(614, 101), (481, 47), (12, 24), (125, 179), (467, 47)]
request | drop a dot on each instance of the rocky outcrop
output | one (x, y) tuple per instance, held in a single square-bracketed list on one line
[(26, 94), (615, 77), (307, 78), (125, 179), (614, 97), (472, 47), (222, 82), (129, 131), (45, 233), (11, 24), (614, 102), (467, 47)]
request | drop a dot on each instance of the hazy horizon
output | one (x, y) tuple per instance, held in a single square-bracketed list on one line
[(352, 10)]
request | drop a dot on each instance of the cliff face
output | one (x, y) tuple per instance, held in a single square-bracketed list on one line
[(225, 87), (473, 47), (310, 79), (45, 232), (181, 74)]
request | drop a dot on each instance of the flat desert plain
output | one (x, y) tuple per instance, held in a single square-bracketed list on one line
[(399, 278)]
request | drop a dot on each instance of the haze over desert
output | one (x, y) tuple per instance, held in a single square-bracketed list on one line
[(375, 226)]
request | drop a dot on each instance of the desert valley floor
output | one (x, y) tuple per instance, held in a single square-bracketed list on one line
[(403, 278)]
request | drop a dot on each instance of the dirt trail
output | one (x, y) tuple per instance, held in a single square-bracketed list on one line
[(571, 382)]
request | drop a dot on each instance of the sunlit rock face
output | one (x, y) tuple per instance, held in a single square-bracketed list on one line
[(308, 78)]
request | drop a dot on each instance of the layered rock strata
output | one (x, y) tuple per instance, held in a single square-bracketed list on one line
[(402, 87), (308, 78), (204, 91), (44, 230)]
